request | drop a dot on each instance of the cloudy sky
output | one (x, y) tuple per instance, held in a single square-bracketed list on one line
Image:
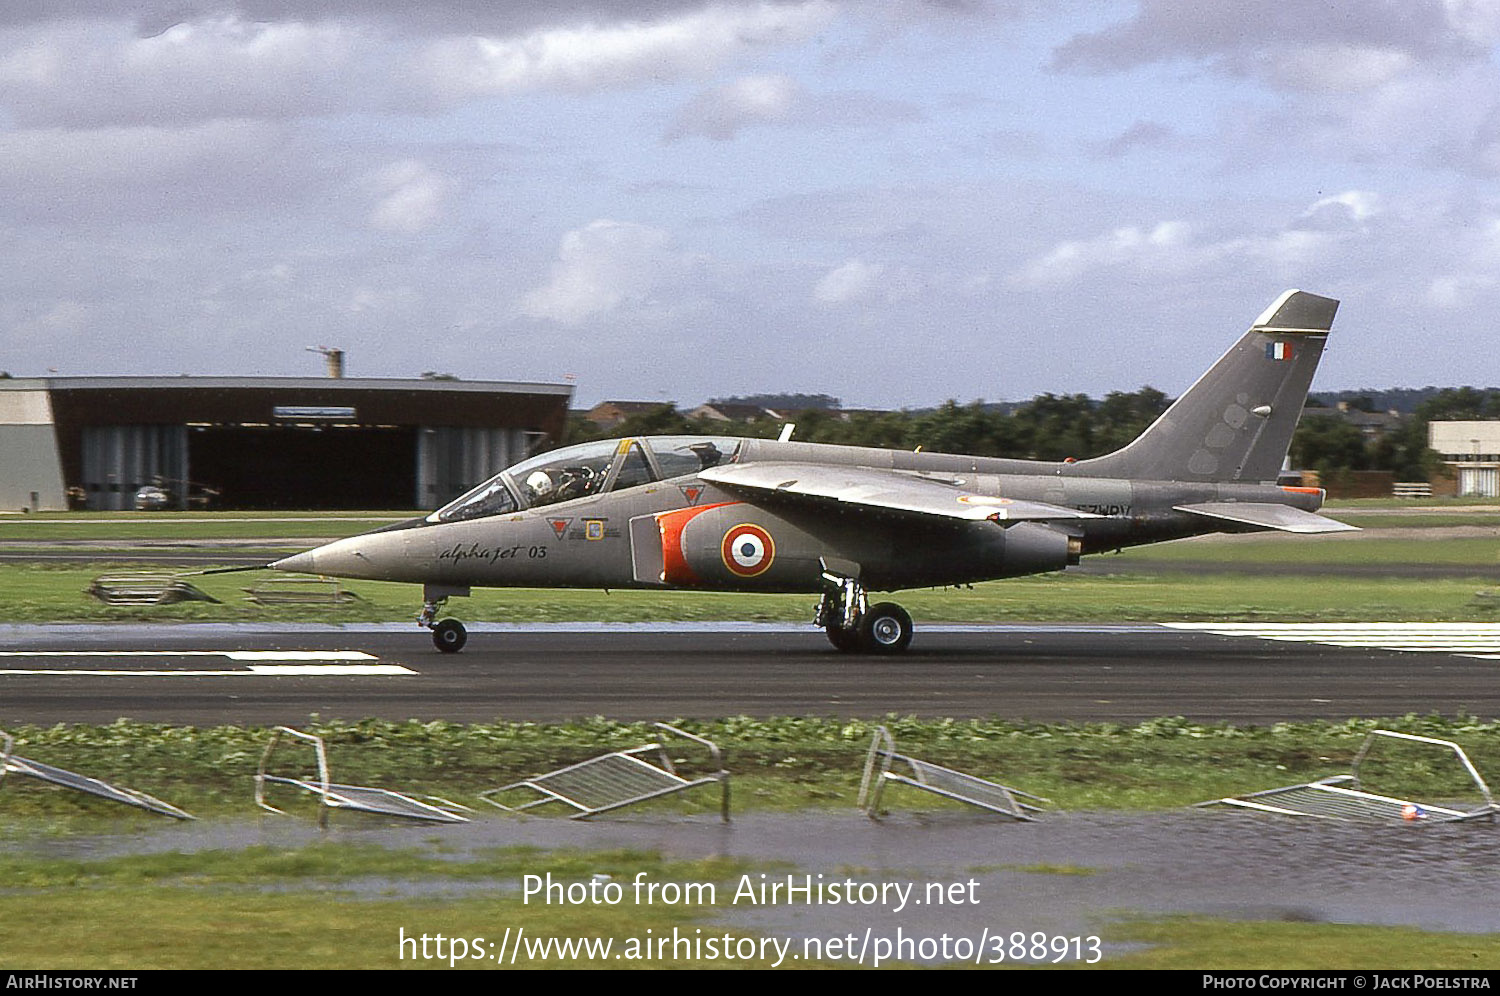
[(893, 202)]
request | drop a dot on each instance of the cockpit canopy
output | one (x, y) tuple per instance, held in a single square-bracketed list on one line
[(589, 469)]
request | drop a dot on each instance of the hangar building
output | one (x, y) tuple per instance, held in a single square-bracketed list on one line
[(264, 443), (1472, 449)]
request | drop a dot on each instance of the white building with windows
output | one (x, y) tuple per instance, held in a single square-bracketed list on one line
[(1472, 449)]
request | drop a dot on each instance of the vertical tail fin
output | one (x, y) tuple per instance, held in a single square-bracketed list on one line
[(1236, 422)]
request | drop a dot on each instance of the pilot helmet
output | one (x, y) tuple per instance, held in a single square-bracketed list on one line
[(539, 483)]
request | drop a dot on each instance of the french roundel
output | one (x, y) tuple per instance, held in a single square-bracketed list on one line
[(748, 550)]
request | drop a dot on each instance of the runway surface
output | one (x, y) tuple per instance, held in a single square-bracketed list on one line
[(261, 674)]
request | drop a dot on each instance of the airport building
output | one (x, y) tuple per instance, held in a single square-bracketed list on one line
[(264, 443), (1472, 450)]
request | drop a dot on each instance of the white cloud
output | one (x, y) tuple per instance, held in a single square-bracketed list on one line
[(600, 267), (1477, 20), (370, 300), (723, 111), (410, 197), (92, 176), (1129, 244), (1458, 290), (1335, 68), (622, 54), (1174, 250), (1358, 43), (1350, 210), (61, 321), (94, 74), (851, 281), (1469, 266)]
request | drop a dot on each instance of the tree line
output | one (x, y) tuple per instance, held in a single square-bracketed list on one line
[(1330, 444), (1048, 427), (1055, 427)]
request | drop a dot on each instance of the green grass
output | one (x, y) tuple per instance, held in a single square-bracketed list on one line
[(1201, 943), (1228, 552), (266, 907), (189, 525), (347, 906), (42, 593), (328, 863), (1337, 505), (48, 593), (1073, 871), (342, 906), (1374, 519), (785, 763)]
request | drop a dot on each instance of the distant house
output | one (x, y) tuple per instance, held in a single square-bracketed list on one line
[(846, 414), (608, 414), (1371, 425), (724, 411)]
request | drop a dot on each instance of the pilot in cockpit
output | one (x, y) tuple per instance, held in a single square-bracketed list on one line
[(539, 488), (707, 453)]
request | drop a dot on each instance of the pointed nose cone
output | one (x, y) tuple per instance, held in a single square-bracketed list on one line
[(353, 557), (298, 563)]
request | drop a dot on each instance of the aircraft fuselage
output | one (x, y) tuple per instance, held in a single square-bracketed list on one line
[(614, 540)]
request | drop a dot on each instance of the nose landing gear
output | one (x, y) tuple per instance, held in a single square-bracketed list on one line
[(853, 625), (449, 635)]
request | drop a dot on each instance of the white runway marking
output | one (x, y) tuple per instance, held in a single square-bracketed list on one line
[(1479, 640), (258, 663), (261, 670), (234, 655)]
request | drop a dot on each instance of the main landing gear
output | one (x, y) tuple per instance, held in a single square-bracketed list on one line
[(449, 635), (853, 625)]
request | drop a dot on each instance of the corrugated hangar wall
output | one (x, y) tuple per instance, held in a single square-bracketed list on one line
[(276, 443), (452, 460), (119, 460)]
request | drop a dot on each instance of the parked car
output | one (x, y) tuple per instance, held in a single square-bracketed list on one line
[(151, 499)]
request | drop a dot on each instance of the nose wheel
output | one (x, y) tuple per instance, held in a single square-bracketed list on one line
[(449, 635)]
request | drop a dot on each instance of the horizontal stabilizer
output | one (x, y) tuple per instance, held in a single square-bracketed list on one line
[(1298, 311), (1268, 515), (880, 490)]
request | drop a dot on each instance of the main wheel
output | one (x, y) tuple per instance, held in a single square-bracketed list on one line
[(885, 629), (449, 636), (843, 639)]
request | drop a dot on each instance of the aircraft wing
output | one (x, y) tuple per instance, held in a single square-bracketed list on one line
[(872, 489), (1268, 515)]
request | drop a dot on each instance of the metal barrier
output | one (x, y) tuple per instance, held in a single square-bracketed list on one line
[(938, 780), (145, 588), (300, 591), (618, 779), (1342, 797), (332, 795), (14, 763)]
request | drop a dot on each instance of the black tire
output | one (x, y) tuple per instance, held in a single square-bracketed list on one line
[(885, 629), (449, 636), (842, 639)]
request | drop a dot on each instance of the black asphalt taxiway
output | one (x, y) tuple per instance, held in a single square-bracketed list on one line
[(210, 674)]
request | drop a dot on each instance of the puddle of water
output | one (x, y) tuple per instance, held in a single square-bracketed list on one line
[(1234, 865)]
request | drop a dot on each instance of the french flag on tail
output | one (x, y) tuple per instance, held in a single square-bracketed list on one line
[(1278, 351)]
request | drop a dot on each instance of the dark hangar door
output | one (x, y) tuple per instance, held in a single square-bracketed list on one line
[(292, 467)]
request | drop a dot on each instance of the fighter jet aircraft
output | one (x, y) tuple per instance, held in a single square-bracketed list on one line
[(757, 515)]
